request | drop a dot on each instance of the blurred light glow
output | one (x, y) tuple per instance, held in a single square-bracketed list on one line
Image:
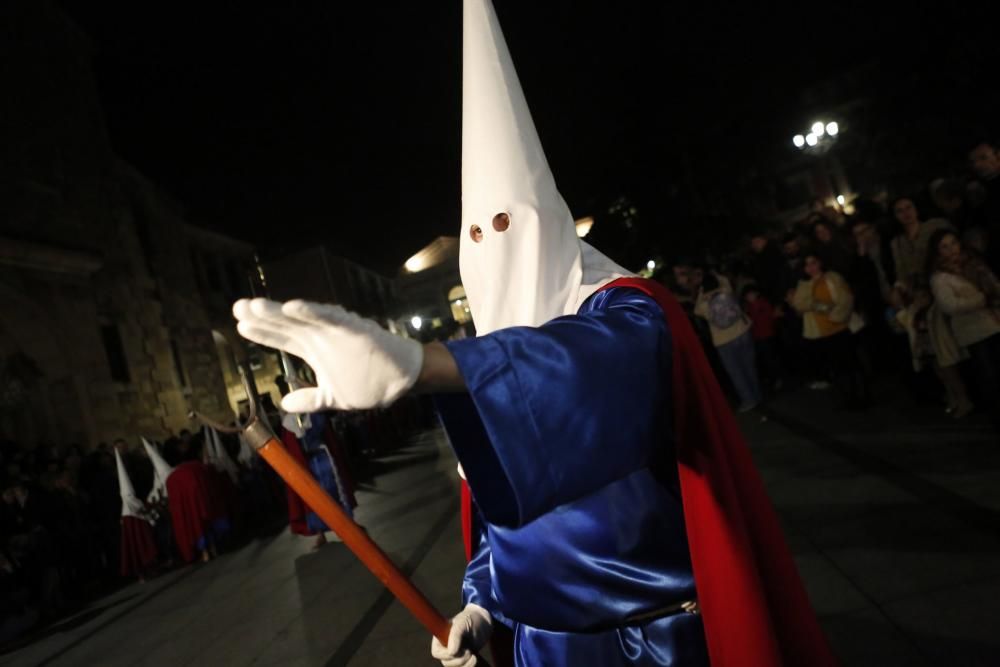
[(841, 200), (414, 264), (651, 264), (832, 129), (583, 226), (812, 139), (416, 322), (799, 141), (818, 129)]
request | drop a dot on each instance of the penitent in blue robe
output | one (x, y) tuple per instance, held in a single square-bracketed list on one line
[(323, 468), (565, 440)]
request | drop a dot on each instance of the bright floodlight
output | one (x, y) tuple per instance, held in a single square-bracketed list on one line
[(818, 129), (832, 129), (799, 141), (812, 139), (841, 200), (416, 322), (651, 264)]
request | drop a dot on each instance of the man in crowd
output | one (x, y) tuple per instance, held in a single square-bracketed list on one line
[(985, 162), (766, 268)]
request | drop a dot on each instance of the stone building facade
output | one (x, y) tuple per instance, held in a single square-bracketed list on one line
[(115, 311)]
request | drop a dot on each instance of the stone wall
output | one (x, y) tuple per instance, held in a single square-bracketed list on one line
[(89, 246)]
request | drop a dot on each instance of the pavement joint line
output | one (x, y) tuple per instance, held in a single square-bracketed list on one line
[(966, 510), (414, 505), (873, 604), (909, 597), (184, 574), (936, 495), (370, 618)]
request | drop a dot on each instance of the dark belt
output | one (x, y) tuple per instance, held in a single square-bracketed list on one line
[(686, 607)]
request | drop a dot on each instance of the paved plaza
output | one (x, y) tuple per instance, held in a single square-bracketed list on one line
[(893, 516)]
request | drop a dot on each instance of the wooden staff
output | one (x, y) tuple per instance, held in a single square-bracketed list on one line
[(260, 437)]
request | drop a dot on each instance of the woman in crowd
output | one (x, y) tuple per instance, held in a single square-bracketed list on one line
[(968, 292), (933, 344), (828, 239), (730, 330), (826, 304), (909, 247)]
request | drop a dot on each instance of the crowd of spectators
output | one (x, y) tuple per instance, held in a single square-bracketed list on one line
[(60, 518), (906, 286)]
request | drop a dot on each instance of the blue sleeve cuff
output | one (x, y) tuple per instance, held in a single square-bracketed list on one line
[(489, 466)]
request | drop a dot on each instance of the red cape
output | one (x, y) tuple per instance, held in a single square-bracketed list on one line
[(755, 609), (138, 548), (193, 503)]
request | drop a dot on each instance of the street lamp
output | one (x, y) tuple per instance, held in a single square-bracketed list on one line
[(651, 264), (821, 136), (416, 322)]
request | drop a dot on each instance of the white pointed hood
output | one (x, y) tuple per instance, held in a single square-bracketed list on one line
[(131, 505), (221, 458), (161, 468), (537, 269), (246, 453), (207, 448)]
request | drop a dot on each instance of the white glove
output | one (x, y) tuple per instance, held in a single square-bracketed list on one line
[(470, 631), (358, 364)]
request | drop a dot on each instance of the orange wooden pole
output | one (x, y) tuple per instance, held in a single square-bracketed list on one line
[(355, 539)]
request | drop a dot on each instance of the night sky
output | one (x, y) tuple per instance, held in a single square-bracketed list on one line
[(298, 123)]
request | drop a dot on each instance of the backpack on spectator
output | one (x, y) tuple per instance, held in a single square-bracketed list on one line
[(723, 311)]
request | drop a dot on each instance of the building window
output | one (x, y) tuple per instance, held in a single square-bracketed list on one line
[(212, 274), (145, 237), (178, 363), (196, 265), (115, 351), (237, 280)]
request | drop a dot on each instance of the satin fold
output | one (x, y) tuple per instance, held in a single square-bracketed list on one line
[(565, 441)]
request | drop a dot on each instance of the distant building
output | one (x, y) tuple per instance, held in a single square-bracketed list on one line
[(430, 285)]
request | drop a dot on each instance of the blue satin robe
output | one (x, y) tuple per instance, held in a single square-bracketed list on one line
[(323, 468), (564, 437)]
